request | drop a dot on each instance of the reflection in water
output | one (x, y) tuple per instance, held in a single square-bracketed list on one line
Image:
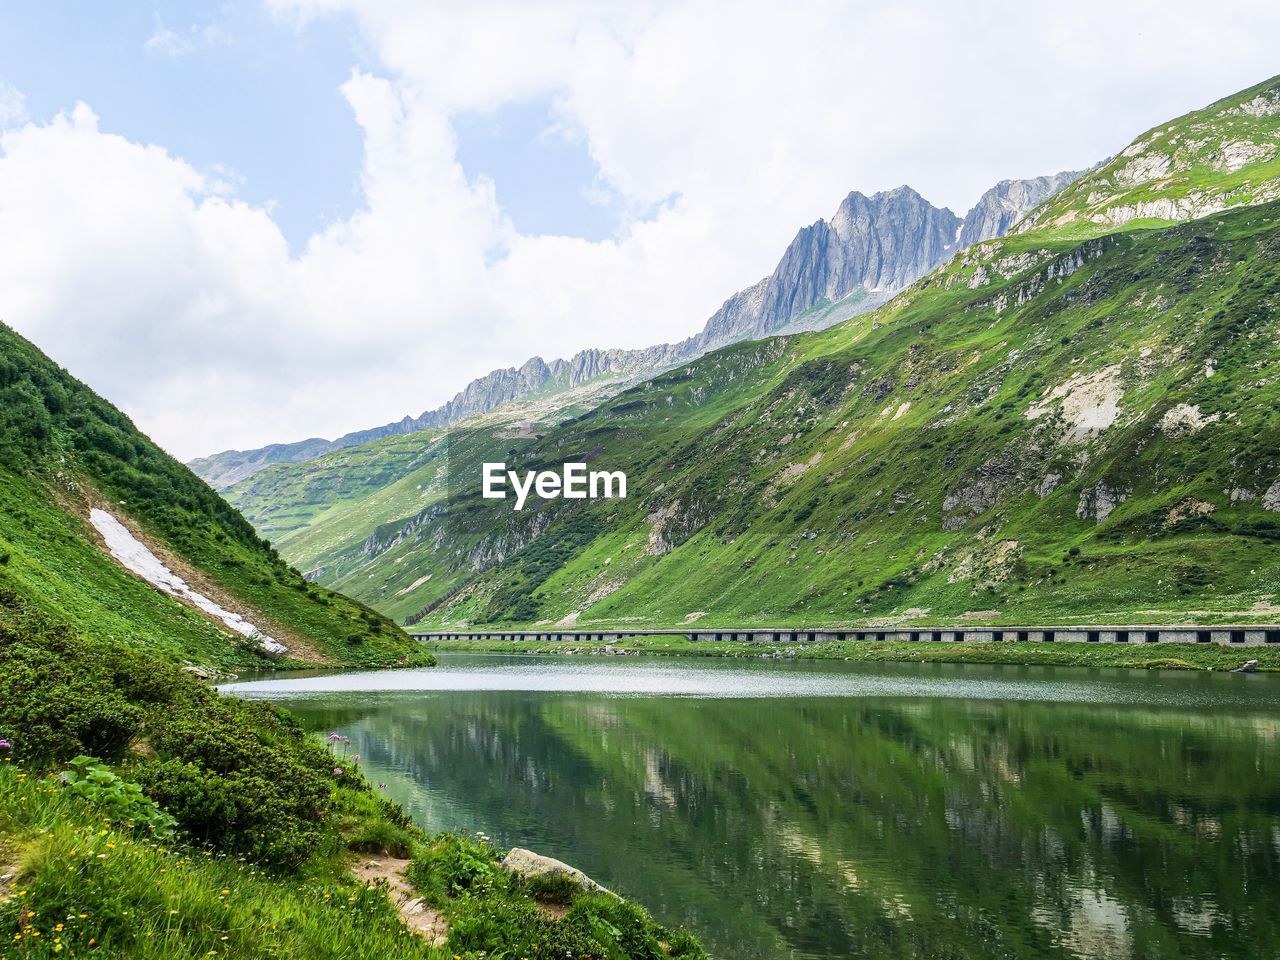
[(870, 824)]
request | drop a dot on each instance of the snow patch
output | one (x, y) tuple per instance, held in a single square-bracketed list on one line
[(135, 557)]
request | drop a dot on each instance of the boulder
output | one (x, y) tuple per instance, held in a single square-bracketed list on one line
[(526, 863), (1250, 666)]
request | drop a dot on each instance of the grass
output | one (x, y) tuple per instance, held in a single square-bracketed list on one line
[(1192, 148), (86, 886), (495, 912), (770, 486), (914, 458), (1161, 656)]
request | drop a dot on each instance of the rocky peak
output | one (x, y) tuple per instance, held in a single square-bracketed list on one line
[(1009, 201)]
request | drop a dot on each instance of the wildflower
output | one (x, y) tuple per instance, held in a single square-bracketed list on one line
[(355, 757), (337, 771), (5, 744)]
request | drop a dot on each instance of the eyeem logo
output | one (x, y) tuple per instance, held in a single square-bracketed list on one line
[(572, 483)]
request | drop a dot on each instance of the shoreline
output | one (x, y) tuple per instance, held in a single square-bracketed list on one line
[(1156, 656)]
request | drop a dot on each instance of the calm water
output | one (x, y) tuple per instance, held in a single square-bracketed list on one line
[(829, 810)]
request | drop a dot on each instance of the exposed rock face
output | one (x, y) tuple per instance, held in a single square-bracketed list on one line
[(1099, 502), (871, 248), (1008, 202), (221, 470), (1271, 499)]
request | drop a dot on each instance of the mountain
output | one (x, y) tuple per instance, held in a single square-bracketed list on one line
[(871, 248), (1076, 421), (1226, 155), (105, 534), (1006, 203)]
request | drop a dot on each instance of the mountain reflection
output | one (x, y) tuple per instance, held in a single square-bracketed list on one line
[(931, 828)]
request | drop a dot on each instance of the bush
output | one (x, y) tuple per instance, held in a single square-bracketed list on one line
[(262, 792), (122, 801), (455, 865), (241, 777), (53, 703)]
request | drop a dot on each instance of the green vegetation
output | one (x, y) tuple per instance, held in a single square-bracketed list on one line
[(1224, 155), (87, 886), (98, 785), (1152, 656), (1074, 423), (191, 824), (492, 910), (63, 450), (929, 460)]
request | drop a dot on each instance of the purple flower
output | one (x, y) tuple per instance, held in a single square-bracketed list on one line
[(337, 771), (334, 736), (355, 757), (5, 744)]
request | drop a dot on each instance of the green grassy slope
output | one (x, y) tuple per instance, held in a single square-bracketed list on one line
[(63, 450), (314, 511), (1075, 422), (1224, 155)]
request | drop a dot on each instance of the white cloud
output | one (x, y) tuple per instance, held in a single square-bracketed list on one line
[(169, 43), (13, 106), (722, 126)]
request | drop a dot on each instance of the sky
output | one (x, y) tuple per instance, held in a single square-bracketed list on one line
[(275, 219)]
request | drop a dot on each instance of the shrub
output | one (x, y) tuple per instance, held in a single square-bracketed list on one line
[(240, 776), (455, 865), (53, 704), (122, 801), (259, 790)]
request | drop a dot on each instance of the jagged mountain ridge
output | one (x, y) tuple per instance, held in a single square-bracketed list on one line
[(868, 250)]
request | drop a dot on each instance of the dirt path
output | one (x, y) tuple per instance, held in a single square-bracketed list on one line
[(389, 872)]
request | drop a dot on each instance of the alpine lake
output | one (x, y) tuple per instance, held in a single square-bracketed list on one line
[(818, 809)]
